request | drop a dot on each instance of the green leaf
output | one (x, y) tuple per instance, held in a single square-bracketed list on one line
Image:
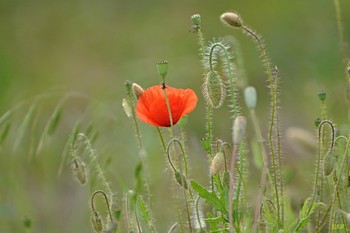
[(54, 120), (4, 132), (210, 197), (138, 177)]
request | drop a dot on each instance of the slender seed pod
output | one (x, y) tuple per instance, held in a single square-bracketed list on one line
[(214, 89)]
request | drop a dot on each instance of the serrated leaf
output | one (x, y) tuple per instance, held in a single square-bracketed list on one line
[(210, 197)]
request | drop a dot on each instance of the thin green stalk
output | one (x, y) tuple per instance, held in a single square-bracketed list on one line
[(230, 198)]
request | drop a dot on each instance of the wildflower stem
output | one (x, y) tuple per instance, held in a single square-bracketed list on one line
[(106, 199), (231, 185)]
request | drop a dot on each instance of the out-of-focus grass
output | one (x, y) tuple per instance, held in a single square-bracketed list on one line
[(93, 47)]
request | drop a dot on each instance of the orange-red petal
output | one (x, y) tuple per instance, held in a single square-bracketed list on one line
[(151, 106)]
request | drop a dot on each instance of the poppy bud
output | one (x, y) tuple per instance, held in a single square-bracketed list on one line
[(138, 91), (196, 19), (238, 130), (250, 97), (181, 179), (329, 163), (162, 68), (231, 19), (126, 108), (322, 95), (96, 221), (217, 164), (213, 89), (79, 170)]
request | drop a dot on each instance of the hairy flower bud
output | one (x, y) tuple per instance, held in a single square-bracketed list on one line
[(238, 131), (329, 163), (231, 19), (79, 170), (217, 164), (250, 97), (181, 180), (138, 91), (214, 89), (96, 221)]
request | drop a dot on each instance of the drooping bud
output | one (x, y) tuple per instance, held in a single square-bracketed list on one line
[(96, 221), (196, 19), (322, 95), (162, 68), (181, 179), (213, 89), (329, 163), (231, 19), (250, 97), (217, 164), (138, 91), (238, 131), (127, 108), (79, 170)]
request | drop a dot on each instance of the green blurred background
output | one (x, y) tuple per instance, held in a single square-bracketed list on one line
[(92, 47)]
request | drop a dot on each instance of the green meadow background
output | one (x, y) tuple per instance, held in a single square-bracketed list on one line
[(88, 49)]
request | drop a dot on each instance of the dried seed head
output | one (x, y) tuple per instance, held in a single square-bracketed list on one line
[(79, 170), (181, 179), (138, 91), (96, 221), (250, 97), (196, 19), (214, 89), (231, 19), (217, 164), (238, 131), (127, 108), (329, 163), (162, 68)]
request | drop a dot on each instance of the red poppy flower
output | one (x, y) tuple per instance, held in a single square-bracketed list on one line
[(151, 106)]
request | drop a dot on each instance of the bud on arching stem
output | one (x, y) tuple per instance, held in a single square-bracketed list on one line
[(217, 164), (231, 19), (138, 91)]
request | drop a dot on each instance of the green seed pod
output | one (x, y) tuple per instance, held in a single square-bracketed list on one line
[(181, 179), (214, 89), (205, 144), (196, 19), (231, 19), (322, 95), (127, 108), (329, 163), (217, 164), (317, 122), (238, 130), (79, 170), (96, 221), (250, 97), (162, 68)]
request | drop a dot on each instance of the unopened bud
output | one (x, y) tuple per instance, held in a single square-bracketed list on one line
[(79, 170), (329, 163), (162, 68), (217, 164), (231, 19), (138, 91), (196, 19), (127, 108), (96, 221), (214, 89), (238, 131), (250, 97), (181, 179)]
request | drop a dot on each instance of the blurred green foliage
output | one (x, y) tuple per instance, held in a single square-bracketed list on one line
[(92, 47)]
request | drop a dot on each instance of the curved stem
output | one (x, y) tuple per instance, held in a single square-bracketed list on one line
[(106, 200)]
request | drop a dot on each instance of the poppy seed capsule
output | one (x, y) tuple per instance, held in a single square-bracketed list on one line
[(138, 91), (231, 19), (322, 95), (79, 170), (250, 97), (162, 68), (96, 221), (217, 164), (196, 19), (238, 130)]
